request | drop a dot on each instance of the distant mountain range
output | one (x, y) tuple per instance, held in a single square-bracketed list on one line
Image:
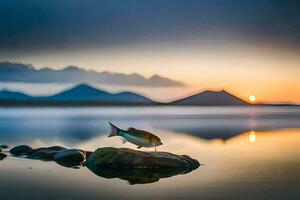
[(18, 72), (211, 98), (80, 94), (84, 94)]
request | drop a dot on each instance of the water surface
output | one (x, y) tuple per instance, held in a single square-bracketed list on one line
[(248, 153)]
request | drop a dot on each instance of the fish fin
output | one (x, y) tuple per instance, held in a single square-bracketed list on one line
[(131, 129), (139, 147), (114, 131), (123, 140)]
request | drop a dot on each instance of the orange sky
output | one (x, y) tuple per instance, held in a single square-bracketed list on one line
[(271, 74)]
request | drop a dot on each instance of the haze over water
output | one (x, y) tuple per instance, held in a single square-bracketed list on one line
[(247, 152)]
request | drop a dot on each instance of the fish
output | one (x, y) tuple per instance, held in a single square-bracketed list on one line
[(138, 137)]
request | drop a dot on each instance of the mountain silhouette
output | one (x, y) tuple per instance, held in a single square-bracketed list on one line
[(82, 93), (18, 72), (7, 95), (211, 98), (86, 93)]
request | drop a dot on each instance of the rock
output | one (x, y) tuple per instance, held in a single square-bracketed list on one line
[(57, 148), (137, 166), (129, 158), (42, 154), (20, 150), (70, 155), (2, 156), (3, 146), (45, 153)]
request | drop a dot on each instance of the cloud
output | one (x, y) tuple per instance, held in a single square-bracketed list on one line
[(42, 25), (17, 72)]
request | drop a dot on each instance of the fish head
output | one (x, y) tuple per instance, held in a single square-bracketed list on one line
[(158, 141)]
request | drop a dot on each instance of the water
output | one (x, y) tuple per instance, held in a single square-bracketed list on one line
[(247, 152)]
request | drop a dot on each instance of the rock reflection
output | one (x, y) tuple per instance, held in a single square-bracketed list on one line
[(135, 176), (73, 165), (2, 156), (138, 167)]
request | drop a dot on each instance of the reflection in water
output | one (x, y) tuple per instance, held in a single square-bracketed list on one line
[(135, 176), (141, 167), (234, 170), (73, 165), (263, 164), (252, 137), (76, 125)]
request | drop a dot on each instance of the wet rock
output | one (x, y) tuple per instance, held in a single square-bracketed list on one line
[(138, 167), (2, 156), (20, 150), (42, 154), (57, 148), (129, 158), (3, 146), (70, 155), (45, 153)]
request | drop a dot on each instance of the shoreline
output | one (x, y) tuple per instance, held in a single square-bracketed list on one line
[(96, 104)]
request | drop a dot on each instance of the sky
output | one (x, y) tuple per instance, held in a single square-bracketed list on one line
[(248, 47)]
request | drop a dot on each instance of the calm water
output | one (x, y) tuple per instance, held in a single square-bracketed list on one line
[(249, 153)]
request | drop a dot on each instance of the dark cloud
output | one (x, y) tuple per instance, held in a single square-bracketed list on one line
[(55, 24)]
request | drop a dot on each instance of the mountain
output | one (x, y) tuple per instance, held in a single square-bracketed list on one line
[(6, 95), (211, 98), (80, 94), (86, 93), (18, 72)]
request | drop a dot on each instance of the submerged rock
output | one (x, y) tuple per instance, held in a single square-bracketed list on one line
[(70, 155), (2, 156), (137, 166), (20, 150)]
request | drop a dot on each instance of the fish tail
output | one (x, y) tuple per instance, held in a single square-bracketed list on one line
[(114, 131)]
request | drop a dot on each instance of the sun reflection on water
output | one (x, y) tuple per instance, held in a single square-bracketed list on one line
[(252, 137)]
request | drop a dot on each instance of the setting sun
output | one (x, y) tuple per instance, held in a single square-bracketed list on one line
[(252, 98)]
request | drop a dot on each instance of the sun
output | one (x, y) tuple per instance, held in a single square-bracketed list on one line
[(252, 98)]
